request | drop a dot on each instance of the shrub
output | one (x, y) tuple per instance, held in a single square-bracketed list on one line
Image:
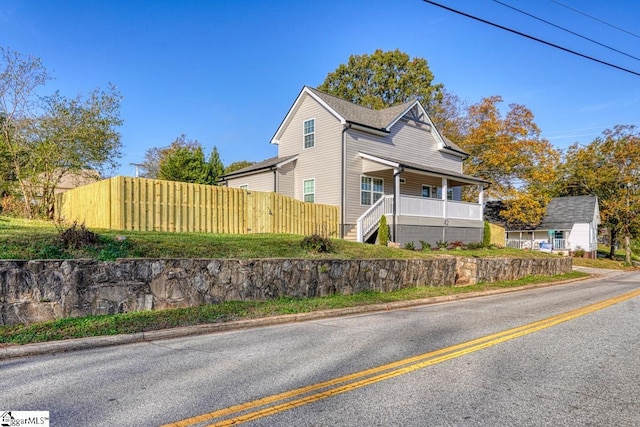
[(12, 206), (458, 245), (442, 244), (77, 237), (486, 235), (317, 243), (579, 253), (476, 245), (410, 246), (383, 231), (425, 245)]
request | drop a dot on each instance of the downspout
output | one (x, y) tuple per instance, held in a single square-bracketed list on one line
[(275, 180)]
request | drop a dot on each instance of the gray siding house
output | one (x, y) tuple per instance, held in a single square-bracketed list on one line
[(370, 163)]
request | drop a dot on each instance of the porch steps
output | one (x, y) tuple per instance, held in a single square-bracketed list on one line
[(351, 235)]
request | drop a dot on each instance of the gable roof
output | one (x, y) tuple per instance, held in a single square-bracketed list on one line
[(563, 212), (368, 118), (273, 162)]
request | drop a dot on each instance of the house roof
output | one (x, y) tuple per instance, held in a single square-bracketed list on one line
[(348, 112), (270, 163), (421, 168), (563, 212), (353, 113)]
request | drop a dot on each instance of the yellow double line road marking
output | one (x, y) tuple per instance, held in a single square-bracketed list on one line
[(302, 396)]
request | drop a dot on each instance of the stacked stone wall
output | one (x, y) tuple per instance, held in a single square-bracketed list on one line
[(40, 290)]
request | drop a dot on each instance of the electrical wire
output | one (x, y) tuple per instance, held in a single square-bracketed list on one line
[(534, 38), (595, 19), (564, 29)]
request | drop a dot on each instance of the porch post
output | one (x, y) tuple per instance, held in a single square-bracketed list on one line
[(396, 199), (481, 199), (444, 197)]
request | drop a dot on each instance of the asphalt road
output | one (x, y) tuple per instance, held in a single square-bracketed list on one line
[(512, 359)]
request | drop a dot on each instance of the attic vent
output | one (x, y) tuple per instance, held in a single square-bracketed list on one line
[(403, 181)]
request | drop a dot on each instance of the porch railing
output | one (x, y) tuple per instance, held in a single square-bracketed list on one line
[(535, 244), (369, 220), (415, 206)]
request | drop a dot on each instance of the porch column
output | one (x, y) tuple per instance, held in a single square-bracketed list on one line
[(481, 199), (444, 197), (396, 201)]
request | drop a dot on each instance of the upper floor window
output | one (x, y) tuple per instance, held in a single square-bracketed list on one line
[(371, 190), (309, 133), (309, 190)]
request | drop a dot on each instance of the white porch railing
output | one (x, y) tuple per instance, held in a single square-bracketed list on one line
[(370, 219), (535, 244), (416, 206)]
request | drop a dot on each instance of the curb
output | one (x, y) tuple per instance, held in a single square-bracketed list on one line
[(14, 351)]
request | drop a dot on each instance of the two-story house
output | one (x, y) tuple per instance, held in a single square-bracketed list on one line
[(370, 163)]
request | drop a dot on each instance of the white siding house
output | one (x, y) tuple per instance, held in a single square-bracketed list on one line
[(370, 163), (570, 224)]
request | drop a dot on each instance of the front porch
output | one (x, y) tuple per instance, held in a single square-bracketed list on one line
[(442, 212), (543, 240)]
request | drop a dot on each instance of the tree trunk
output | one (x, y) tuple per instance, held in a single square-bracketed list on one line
[(627, 249), (612, 242)]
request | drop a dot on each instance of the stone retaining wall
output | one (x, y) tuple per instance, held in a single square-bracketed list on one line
[(35, 291)]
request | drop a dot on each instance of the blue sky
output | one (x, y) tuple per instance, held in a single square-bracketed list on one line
[(226, 72)]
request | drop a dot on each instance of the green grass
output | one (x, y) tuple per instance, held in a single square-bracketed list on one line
[(143, 321), (24, 239)]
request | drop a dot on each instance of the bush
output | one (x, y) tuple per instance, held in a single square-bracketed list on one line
[(458, 245), (383, 231), (442, 244), (76, 237), (579, 253), (476, 245), (410, 246), (486, 235), (12, 206), (425, 245), (317, 243)]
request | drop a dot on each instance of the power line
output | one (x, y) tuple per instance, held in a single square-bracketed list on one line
[(568, 31), (595, 19), (533, 38)]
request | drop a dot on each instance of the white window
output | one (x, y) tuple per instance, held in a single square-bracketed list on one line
[(450, 194), (244, 187), (426, 190), (371, 190), (309, 133), (309, 190)]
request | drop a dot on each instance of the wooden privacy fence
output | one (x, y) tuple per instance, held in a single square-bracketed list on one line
[(498, 235), (123, 203)]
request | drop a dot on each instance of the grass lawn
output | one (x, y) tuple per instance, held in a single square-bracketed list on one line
[(25, 239)]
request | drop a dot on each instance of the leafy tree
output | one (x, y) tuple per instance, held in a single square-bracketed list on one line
[(608, 167), (384, 79), (41, 139), (509, 152), (241, 164), (184, 161), (74, 136)]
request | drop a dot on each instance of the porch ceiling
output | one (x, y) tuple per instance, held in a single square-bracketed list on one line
[(372, 163)]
